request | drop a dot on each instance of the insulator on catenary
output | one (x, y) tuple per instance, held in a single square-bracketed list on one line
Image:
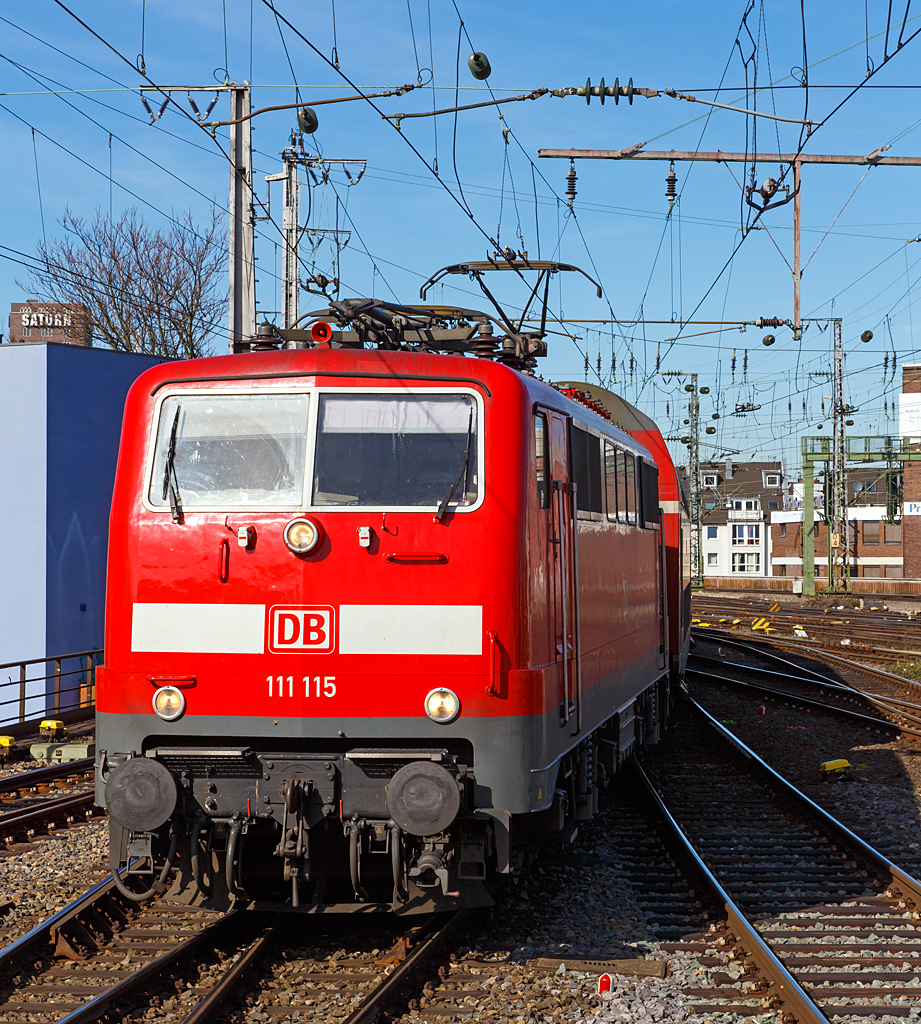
[(671, 181), (571, 183)]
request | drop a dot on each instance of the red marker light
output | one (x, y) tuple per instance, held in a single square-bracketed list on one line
[(604, 983), (761, 710)]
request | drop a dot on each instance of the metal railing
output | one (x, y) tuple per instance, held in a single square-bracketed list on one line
[(24, 691)]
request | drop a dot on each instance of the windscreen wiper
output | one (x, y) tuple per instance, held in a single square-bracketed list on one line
[(443, 504), (169, 472)]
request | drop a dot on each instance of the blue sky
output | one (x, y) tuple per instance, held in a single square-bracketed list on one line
[(405, 225)]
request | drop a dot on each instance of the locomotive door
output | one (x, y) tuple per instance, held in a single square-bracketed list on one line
[(564, 578)]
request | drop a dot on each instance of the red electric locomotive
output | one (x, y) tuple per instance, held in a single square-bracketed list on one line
[(378, 620)]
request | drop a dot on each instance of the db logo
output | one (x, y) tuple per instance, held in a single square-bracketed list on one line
[(302, 629)]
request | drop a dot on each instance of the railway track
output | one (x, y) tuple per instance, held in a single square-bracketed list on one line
[(887, 638), (103, 954), (897, 698), (816, 922), (707, 670), (32, 811), (56, 775)]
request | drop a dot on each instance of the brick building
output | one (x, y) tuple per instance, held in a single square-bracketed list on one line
[(49, 321), (909, 406), (874, 546)]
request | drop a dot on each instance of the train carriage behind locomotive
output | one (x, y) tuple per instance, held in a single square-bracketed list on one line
[(377, 622)]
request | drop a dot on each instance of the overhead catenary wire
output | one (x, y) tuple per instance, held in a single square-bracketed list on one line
[(352, 85), (38, 183)]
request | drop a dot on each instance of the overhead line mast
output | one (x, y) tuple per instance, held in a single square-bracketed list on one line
[(241, 313)]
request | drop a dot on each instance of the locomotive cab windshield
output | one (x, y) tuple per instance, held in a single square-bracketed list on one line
[(395, 450), (372, 449)]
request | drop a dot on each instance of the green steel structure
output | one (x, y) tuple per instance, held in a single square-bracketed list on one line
[(895, 452)]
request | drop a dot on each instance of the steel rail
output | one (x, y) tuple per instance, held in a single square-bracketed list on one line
[(882, 703), (818, 681), (876, 633), (824, 684), (39, 776), (788, 989), (218, 995), (730, 639), (394, 986), (909, 885), (808, 702), (14, 822), (855, 666)]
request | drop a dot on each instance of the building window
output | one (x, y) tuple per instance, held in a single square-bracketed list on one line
[(783, 529), (737, 504), (27, 332), (709, 505), (870, 532), (746, 533), (893, 572), (712, 558), (772, 480), (748, 562), (871, 571), (711, 532), (46, 332), (893, 533), (709, 479), (774, 505)]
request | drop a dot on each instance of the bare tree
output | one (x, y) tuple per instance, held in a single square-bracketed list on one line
[(160, 292)]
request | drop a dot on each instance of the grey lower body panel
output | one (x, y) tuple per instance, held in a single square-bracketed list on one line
[(514, 757)]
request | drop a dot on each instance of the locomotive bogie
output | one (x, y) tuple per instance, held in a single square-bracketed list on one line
[(377, 624)]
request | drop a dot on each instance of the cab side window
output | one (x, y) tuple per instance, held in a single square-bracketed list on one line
[(541, 461)]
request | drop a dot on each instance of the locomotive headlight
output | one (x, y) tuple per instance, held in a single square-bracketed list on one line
[(169, 703), (442, 705), (302, 536)]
